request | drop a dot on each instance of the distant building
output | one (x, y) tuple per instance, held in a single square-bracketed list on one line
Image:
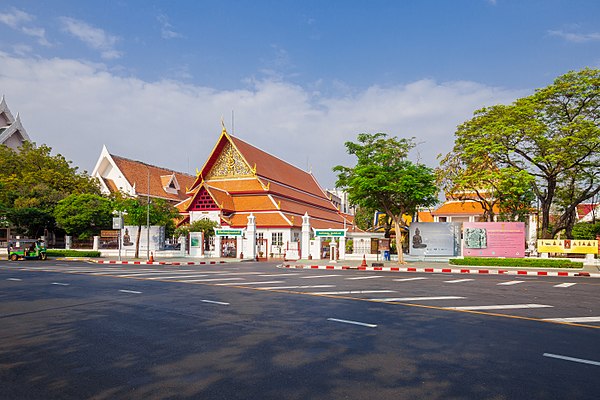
[(12, 133), (131, 178), (340, 199)]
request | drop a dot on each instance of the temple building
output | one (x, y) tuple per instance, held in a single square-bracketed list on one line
[(135, 178), (265, 207), (12, 133)]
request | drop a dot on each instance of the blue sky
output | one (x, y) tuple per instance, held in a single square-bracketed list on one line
[(152, 79)]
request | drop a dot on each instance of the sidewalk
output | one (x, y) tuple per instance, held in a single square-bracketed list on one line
[(441, 267), (411, 266)]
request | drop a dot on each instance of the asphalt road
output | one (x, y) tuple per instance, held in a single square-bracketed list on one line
[(252, 331)]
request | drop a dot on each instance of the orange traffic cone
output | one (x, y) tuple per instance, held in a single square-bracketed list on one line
[(151, 260), (364, 262)]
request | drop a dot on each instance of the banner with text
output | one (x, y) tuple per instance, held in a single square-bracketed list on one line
[(494, 239)]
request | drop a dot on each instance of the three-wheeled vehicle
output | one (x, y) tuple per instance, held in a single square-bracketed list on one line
[(26, 249)]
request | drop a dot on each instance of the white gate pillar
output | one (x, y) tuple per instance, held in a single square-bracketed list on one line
[(305, 243), (250, 250)]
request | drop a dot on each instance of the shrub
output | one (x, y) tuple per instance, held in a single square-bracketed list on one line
[(73, 253), (516, 262)]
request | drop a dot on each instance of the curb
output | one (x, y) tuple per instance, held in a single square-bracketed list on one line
[(157, 262), (447, 270)]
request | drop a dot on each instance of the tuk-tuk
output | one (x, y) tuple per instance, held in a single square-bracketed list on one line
[(26, 249)]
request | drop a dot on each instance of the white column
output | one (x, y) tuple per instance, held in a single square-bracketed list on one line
[(218, 248), (343, 248), (68, 242), (250, 250), (305, 242), (96, 244)]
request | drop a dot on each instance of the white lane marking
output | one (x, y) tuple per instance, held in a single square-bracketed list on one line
[(355, 292), (566, 358), (566, 284), (344, 321), (509, 283), (13, 279), (318, 276), (574, 319), (365, 277), (459, 280), (249, 283), (420, 298), (213, 280), (297, 287), (410, 279), (129, 291), (500, 307), (215, 302), (288, 274), (176, 277), (60, 284)]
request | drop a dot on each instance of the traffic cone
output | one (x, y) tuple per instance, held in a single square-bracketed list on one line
[(364, 262), (151, 260)]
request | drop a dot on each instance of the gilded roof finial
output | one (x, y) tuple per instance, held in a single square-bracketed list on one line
[(223, 125)]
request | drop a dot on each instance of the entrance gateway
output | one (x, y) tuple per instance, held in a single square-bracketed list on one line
[(331, 247), (227, 241)]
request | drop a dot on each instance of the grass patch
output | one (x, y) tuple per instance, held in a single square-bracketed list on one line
[(72, 253), (516, 262)]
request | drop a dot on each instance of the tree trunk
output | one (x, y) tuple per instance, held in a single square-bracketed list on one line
[(137, 242), (398, 230)]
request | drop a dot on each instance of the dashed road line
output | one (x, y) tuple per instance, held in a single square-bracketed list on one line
[(249, 283), (212, 280), (319, 276), (420, 298), (364, 277), (345, 321), (356, 292), (567, 358), (60, 284), (459, 280), (13, 279), (574, 319), (566, 284), (500, 307), (215, 302), (509, 283), (129, 291), (296, 287), (419, 278)]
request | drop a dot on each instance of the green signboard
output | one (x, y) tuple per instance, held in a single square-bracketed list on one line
[(229, 232), (330, 232)]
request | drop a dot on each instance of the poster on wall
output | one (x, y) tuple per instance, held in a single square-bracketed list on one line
[(494, 239), (568, 246), (434, 238)]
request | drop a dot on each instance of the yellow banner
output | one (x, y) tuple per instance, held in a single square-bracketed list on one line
[(567, 246)]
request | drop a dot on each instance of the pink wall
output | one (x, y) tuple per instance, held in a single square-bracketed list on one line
[(494, 239)]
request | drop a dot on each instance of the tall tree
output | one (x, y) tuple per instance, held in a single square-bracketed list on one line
[(384, 179), (33, 182), (553, 135), (140, 210), (84, 214)]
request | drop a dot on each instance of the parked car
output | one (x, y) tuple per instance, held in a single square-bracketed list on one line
[(26, 249)]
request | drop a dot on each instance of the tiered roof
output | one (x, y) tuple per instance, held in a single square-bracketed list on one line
[(12, 132), (242, 179)]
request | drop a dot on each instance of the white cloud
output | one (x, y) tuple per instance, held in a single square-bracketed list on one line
[(576, 37), (166, 29), (93, 37), (19, 20), (76, 107)]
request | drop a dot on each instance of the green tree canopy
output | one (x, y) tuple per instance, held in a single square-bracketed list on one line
[(84, 214), (384, 179), (140, 209), (552, 135), (33, 181)]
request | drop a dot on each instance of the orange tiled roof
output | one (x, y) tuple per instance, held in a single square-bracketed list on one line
[(136, 173), (460, 208)]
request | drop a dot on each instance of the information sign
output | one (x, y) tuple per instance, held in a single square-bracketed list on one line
[(229, 232)]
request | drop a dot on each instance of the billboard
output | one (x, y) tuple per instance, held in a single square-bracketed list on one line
[(494, 239), (434, 238), (568, 246)]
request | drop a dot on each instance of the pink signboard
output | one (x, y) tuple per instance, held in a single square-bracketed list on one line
[(494, 239)]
